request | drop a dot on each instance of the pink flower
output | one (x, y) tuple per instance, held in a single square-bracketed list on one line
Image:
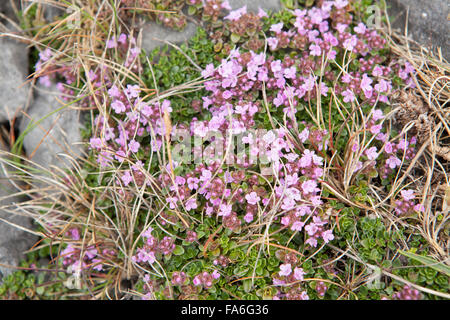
[(192, 183), (197, 281), (366, 83), (236, 14), (96, 143), (248, 217), (132, 91), (375, 129), (298, 274), (165, 106), (377, 115), (327, 236), (111, 43), (360, 28), (388, 147), (277, 27), (262, 13), (309, 186), (407, 194), (350, 43), (290, 72), (315, 50), (377, 71), (252, 198), (285, 269), (309, 83), (276, 66), (297, 226), (191, 204), (118, 106), (209, 71), (272, 42), (393, 162), (348, 96), (371, 153), (126, 178), (114, 92), (225, 210), (134, 146), (123, 38), (340, 3), (304, 135), (341, 27), (226, 5), (215, 274)]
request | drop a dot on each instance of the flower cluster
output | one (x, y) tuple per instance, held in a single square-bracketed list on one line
[(205, 279), (407, 293), (406, 205), (78, 259), (152, 246)]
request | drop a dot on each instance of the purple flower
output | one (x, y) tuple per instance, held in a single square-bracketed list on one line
[(96, 143), (236, 14), (225, 210), (114, 92), (118, 106), (126, 178), (407, 194), (209, 71), (348, 96), (340, 4), (285, 269), (315, 50), (248, 217), (304, 135), (191, 204), (377, 114), (388, 147), (393, 162), (377, 71), (360, 28), (272, 42), (290, 72), (309, 186), (134, 146), (277, 27), (132, 91), (215, 274), (262, 13), (327, 236), (298, 274), (371, 153), (252, 198)]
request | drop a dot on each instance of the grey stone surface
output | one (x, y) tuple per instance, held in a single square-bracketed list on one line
[(13, 72), (13, 241), (63, 126), (428, 21), (252, 5), (7, 9), (152, 31)]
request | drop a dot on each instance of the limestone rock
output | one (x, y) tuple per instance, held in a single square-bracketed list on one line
[(13, 241), (428, 21), (152, 31), (63, 126), (273, 5), (14, 92)]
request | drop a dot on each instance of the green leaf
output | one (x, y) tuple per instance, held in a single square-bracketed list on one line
[(178, 251), (235, 37), (427, 261)]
